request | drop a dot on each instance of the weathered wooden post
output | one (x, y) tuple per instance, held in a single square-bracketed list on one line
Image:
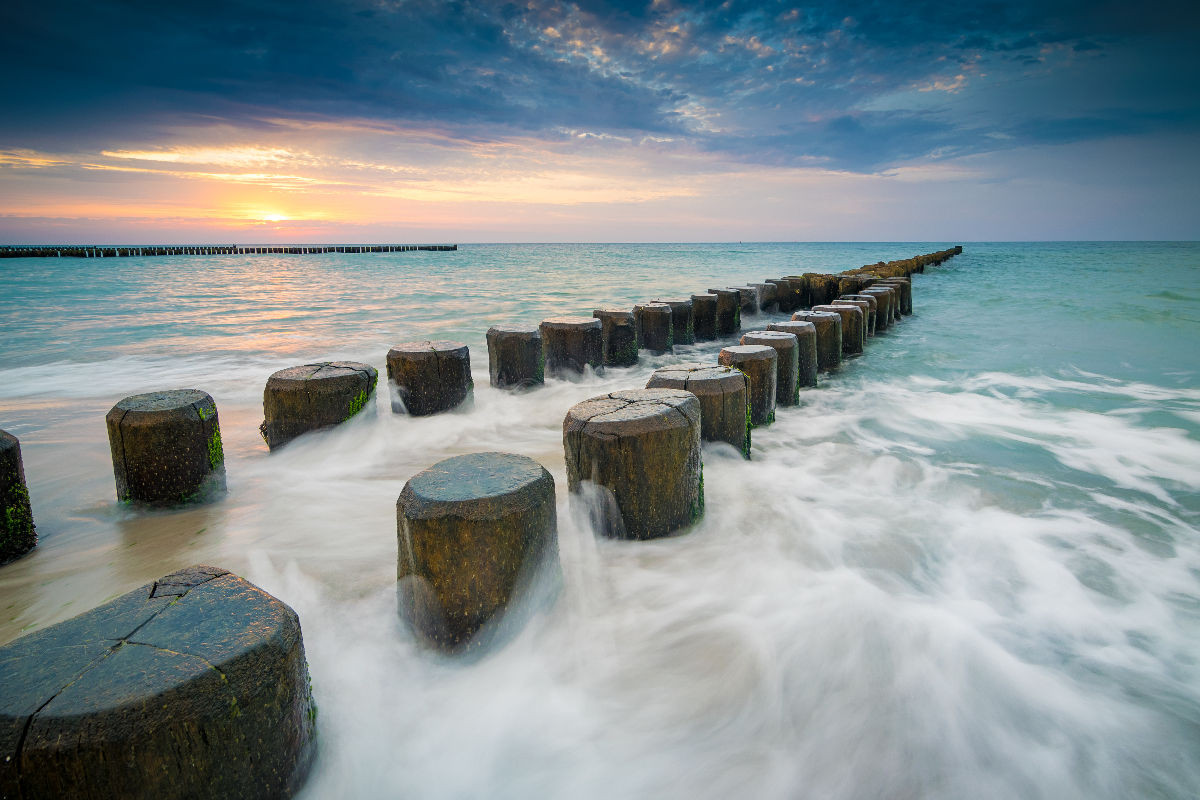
[(822, 288), (905, 287), (748, 298), (806, 349), (759, 362), (515, 357), (867, 316), (767, 294), (166, 447), (704, 316), (641, 451), (472, 531), (886, 297), (787, 366), (314, 396), (683, 322), (785, 298), (572, 344), (17, 533), (724, 395), (655, 330), (829, 336), (429, 377), (872, 309), (729, 311), (853, 329), (193, 686), (850, 284), (618, 336)]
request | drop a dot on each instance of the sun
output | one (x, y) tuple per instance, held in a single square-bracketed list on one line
[(273, 218)]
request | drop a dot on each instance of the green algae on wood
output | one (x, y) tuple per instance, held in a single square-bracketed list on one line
[(312, 397), (760, 365), (17, 532), (166, 447)]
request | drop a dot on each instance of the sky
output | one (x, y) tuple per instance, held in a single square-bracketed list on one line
[(638, 120)]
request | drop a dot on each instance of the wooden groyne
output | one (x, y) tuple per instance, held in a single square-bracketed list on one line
[(218, 655), (96, 251)]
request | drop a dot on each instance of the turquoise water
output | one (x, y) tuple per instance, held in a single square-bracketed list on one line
[(967, 566)]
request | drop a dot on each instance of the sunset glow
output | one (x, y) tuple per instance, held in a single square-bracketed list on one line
[(569, 122)]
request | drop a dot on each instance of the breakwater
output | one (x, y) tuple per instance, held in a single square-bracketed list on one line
[(881, 541), (128, 251), (473, 532)]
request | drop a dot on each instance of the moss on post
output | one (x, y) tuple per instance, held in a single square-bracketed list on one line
[(618, 336), (166, 447), (312, 397), (17, 533), (760, 365)]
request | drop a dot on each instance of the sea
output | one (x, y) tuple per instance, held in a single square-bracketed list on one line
[(967, 565)]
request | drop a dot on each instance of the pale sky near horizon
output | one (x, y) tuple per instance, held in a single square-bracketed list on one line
[(654, 120)]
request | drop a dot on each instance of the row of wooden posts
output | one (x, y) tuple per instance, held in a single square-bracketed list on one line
[(98, 251), (473, 531)]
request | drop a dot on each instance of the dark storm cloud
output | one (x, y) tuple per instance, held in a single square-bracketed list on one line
[(766, 82)]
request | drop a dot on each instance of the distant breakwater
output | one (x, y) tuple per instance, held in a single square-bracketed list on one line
[(95, 251)]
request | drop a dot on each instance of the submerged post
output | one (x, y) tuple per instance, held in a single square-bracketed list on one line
[(515, 357), (472, 532), (166, 447), (430, 377), (759, 362), (724, 395), (311, 397), (618, 336), (17, 534), (572, 344), (193, 686), (640, 451)]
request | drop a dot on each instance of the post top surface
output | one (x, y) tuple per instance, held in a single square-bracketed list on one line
[(163, 401), (473, 477)]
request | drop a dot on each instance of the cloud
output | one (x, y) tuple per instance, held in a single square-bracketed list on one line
[(857, 85)]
